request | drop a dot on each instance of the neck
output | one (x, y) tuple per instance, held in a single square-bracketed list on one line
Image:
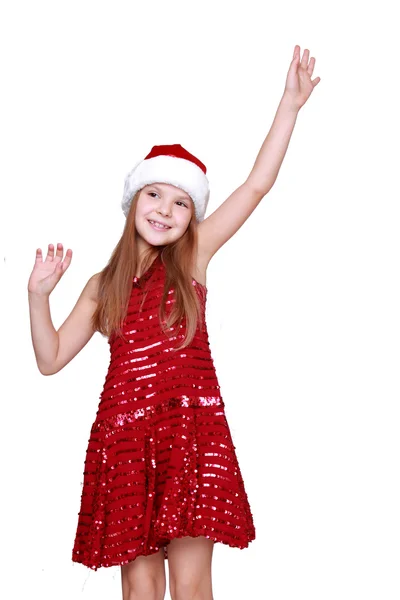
[(142, 252)]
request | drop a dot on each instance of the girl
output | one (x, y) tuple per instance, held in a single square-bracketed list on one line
[(161, 476)]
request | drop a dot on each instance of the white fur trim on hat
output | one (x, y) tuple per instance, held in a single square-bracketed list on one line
[(179, 172)]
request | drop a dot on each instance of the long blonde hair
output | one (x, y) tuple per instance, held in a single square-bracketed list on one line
[(116, 279)]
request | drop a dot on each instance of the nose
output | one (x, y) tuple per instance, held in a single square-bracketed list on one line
[(164, 208)]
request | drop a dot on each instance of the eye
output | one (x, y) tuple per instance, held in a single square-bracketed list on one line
[(181, 202), (150, 193)]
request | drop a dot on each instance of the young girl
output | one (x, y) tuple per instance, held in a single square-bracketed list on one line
[(161, 476)]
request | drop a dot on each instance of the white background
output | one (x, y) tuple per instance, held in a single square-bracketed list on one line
[(303, 305)]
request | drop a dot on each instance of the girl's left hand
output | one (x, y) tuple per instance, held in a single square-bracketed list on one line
[(298, 82)]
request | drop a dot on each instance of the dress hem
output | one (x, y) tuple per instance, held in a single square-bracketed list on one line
[(120, 562)]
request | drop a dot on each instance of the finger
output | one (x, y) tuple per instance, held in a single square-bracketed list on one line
[(311, 66), (38, 257), (60, 251), (294, 64), (58, 268), (67, 259), (61, 268), (304, 60), (50, 253), (316, 81)]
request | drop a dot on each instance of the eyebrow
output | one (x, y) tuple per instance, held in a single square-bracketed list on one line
[(187, 198)]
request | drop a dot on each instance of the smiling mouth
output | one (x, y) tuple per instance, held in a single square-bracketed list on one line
[(159, 226)]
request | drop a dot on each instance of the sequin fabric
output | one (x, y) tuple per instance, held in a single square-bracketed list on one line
[(160, 462)]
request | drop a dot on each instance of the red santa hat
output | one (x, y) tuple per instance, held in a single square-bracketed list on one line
[(174, 165)]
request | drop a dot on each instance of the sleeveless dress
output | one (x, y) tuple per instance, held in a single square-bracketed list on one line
[(160, 462)]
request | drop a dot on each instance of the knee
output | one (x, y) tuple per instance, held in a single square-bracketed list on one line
[(148, 587), (186, 588)]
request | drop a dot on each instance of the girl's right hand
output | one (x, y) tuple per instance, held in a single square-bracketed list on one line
[(47, 273)]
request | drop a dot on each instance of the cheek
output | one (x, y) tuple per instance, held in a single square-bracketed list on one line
[(140, 214), (141, 205), (143, 208), (185, 220)]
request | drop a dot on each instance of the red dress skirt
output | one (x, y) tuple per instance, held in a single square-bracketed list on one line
[(160, 462)]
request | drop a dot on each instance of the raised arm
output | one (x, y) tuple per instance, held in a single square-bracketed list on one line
[(55, 349), (227, 219)]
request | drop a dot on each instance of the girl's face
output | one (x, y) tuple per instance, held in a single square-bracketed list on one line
[(167, 205)]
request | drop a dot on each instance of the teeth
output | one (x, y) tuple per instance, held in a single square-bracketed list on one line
[(158, 225)]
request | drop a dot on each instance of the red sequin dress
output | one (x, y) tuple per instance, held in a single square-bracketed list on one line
[(160, 462)]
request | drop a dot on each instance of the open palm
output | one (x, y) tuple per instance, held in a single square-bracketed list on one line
[(299, 84), (46, 273)]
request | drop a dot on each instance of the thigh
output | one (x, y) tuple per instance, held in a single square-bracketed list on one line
[(144, 576), (189, 561)]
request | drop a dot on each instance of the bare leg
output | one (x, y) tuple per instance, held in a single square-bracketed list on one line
[(144, 578), (189, 562)]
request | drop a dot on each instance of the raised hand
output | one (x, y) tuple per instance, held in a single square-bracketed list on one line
[(299, 84), (47, 273)]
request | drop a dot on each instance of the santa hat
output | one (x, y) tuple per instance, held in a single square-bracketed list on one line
[(174, 165)]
